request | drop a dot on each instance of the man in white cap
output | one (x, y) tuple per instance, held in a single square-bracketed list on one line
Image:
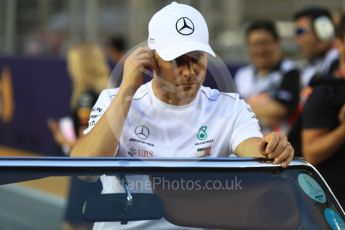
[(174, 115)]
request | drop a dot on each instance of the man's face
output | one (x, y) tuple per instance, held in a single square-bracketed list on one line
[(306, 37), (183, 76), (263, 49)]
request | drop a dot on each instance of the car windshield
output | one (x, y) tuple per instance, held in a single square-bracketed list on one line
[(168, 194)]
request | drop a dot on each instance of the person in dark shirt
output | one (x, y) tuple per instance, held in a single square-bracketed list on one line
[(323, 135), (314, 34)]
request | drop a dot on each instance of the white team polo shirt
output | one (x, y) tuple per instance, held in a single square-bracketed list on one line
[(213, 124)]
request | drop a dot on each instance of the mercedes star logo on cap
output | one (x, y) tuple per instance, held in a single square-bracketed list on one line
[(142, 132), (184, 26)]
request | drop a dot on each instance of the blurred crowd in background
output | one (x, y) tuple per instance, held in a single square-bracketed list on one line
[(49, 27)]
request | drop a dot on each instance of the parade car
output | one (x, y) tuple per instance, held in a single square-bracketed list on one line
[(229, 193)]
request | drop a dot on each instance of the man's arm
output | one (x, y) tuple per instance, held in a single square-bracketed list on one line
[(319, 144), (268, 111), (319, 140), (247, 141), (272, 110), (274, 146), (103, 139)]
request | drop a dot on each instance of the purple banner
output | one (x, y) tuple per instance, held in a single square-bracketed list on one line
[(41, 89)]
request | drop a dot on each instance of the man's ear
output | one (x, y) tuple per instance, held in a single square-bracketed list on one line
[(155, 65)]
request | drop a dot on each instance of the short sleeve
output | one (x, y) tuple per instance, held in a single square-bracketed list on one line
[(245, 125), (288, 92), (318, 109), (99, 108)]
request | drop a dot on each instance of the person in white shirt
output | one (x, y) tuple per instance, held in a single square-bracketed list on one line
[(174, 115), (270, 83)]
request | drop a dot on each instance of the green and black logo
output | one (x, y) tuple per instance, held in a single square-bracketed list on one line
[(202, 135)]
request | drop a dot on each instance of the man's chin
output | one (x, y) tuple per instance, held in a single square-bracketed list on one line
[(187, 91)]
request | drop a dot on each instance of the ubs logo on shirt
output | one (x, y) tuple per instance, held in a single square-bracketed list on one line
[(140, 152), (204, 152)]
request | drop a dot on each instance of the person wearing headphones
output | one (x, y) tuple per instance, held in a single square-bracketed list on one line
[(173, 115), (314, 31)]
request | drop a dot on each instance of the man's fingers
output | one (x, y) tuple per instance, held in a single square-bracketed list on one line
[(139, 54), (147, 58), (281, 145), (144, 53), (272, 140), (143, 56), (141, 50), (279, 149), (262, 147), (287, 161), (282, 156), (285, 157)]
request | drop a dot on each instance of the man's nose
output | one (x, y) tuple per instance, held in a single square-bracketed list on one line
[(187, 69)]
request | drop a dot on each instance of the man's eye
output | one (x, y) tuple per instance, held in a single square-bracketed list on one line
[(179, 61), (196, 59), (187, 60)]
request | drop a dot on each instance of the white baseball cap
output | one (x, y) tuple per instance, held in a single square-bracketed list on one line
[(178, 29)]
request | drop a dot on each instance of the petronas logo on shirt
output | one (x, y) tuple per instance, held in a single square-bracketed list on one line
[(202, 135)]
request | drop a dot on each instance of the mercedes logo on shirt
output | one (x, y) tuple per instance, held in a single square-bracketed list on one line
[(142, 132), (184, 26)]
